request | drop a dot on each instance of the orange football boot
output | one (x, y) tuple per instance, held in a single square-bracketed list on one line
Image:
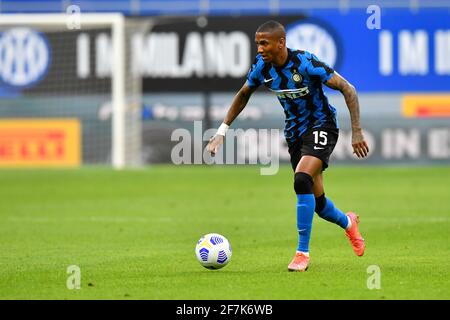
[(354, 236), (299, 263)]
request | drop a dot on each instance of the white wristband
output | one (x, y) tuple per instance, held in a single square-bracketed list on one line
[(222, 129)]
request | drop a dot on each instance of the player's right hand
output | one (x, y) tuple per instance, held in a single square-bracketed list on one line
[(214, 144)]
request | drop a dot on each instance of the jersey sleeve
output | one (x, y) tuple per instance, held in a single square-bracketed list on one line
[(254, 76), (317, 68)]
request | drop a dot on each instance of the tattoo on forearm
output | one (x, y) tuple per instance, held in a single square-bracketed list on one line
[(351, 98)]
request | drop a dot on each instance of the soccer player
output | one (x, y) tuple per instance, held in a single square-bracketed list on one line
[(311, 128)]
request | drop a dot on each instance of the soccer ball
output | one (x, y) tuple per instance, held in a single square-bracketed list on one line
[(213, 251)]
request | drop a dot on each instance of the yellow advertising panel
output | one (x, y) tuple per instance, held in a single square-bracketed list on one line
[(426, 106), (40, 143)]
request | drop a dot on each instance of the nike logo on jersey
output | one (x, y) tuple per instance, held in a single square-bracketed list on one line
[(268, 80), (318, 148)]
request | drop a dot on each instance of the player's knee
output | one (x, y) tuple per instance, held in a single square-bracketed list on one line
[(303, 183), (320, 203)]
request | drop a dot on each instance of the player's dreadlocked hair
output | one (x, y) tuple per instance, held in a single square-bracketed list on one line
[(272, 26)]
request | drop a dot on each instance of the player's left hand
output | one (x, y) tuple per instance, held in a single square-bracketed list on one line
[(359, 144)]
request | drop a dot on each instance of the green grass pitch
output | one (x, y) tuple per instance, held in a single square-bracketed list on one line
[(133, 233)]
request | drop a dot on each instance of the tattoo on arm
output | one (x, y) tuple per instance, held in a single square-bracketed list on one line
[(337, 82)]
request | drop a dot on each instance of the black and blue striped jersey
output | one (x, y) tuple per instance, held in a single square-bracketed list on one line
[(298, 86)]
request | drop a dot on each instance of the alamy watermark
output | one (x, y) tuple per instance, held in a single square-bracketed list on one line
[(74, 278), (374, 20), (250, 146), (73, 17), (374, 279)]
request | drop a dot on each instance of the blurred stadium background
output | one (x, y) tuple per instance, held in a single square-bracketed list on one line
[(192, 56), (106, 83)]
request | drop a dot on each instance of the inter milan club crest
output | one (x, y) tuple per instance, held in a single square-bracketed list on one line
[(296, 77)]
